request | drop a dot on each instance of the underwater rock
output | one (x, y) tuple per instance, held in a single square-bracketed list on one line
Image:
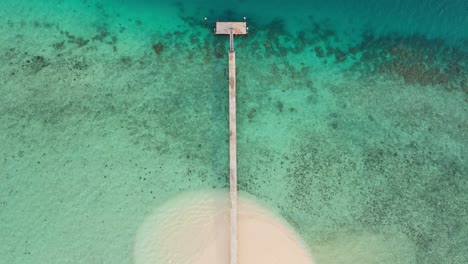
[(37, 63), (280, 106), (340, 55), (158, 48), (319, 52), (251, 113)]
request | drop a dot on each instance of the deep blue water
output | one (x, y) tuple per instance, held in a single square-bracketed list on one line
[(431, 18)]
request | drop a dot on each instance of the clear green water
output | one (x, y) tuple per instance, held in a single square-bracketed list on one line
[(352, 121)]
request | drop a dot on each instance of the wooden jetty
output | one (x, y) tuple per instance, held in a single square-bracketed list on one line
[(232, 28)]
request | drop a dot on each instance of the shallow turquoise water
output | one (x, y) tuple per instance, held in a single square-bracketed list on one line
[(352, 121)]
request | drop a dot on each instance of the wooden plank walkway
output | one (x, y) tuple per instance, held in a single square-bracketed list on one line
[(232, 28), (233, 154)]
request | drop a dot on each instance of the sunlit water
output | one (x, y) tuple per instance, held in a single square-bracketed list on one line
[(352, 121)]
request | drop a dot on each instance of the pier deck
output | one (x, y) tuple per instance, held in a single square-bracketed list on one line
[(239, 28), (232, 28)]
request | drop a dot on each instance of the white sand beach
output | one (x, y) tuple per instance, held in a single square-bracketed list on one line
[(194, 228)]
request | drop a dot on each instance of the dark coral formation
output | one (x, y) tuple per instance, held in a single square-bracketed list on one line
[(251, 113), (379, 188), (319, 52), (415, 59), (36, 63), (158, 48), (318, 169), (80, 41), (102, 35)]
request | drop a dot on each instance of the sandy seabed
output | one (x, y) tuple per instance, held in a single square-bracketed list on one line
[(194, 228)]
